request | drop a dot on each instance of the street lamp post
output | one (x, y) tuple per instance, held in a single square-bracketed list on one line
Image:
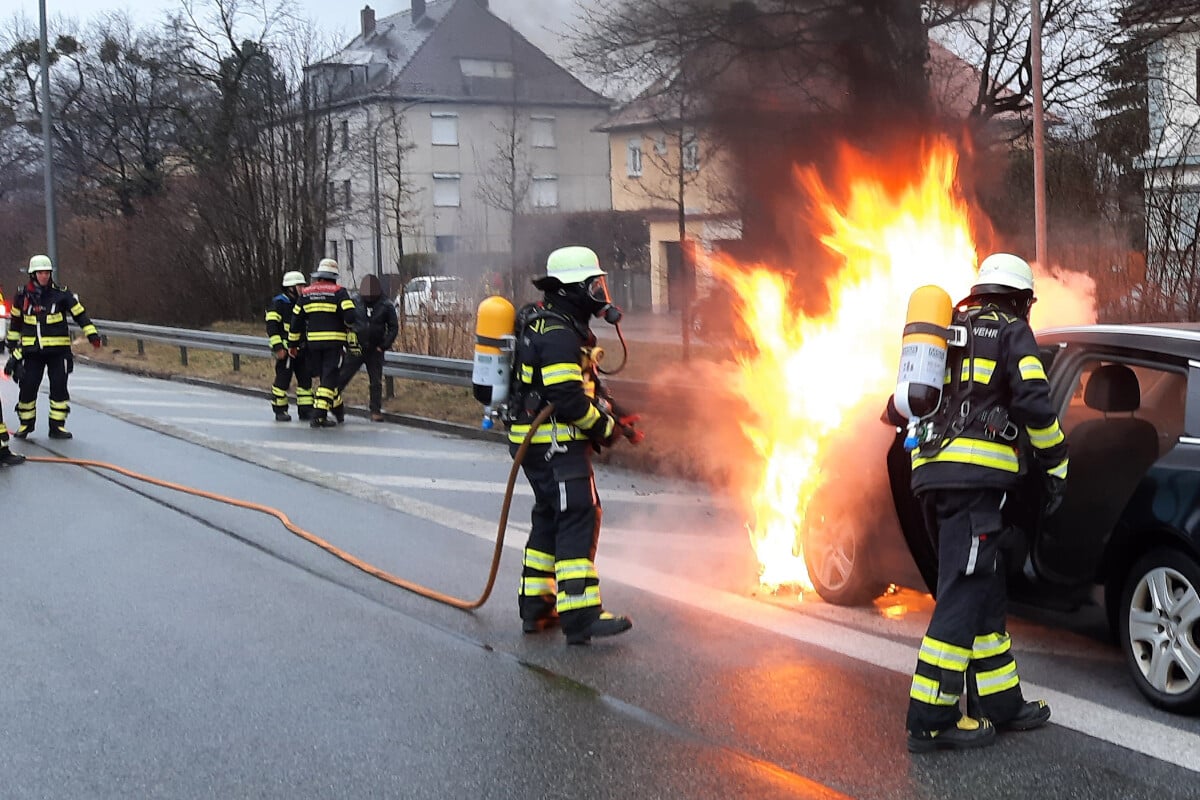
[(47, 144), (1039, 133)]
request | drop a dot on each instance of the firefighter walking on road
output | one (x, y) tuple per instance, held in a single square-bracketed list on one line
[(41, 342), (279, 325), (556, 363), (963, 474), (324, 321)]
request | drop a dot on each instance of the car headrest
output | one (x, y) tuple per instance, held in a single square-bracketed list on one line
[(1113, 387)]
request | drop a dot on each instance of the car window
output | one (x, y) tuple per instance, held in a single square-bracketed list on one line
[(1163, 395)]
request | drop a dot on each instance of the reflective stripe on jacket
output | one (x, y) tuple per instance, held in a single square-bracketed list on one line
[(322, 315), (39, 318)]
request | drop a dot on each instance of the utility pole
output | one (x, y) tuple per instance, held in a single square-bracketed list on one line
[(1039, 134), (48, 145)]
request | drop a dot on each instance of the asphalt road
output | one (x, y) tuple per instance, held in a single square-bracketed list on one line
[(164, 645)]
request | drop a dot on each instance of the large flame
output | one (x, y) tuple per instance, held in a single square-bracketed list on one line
[(811, 379)]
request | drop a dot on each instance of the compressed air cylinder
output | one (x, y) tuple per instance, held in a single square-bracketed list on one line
[(923, 352), (494, 343)]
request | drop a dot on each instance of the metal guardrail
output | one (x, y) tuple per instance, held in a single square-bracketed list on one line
[(450, 371), (408, 366)]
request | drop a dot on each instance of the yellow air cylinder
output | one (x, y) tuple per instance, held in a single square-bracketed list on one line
[(495, 341), (923, 352)]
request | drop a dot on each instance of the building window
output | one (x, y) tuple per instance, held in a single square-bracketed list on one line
[(633, 158), (330, 194), (446, 189), (660, 145), (350, 253), (485, 68), (691, 151), (346, 194), (545, 191), (541, 132), (345, 135), (444, 128), (333, 249), (445, 244)]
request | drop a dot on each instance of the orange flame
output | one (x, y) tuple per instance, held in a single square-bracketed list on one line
[(811, 380)]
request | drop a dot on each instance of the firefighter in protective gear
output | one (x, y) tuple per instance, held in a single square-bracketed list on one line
[(322, 318), (996, 392), (40, 341), (559, 582), (279, 325), (7, 457)]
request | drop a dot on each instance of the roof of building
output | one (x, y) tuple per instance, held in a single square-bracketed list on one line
[(422, 59)]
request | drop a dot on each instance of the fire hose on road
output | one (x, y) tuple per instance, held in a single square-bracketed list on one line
[(357, 563)]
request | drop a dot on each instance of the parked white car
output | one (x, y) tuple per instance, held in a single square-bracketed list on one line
[(432, 295)]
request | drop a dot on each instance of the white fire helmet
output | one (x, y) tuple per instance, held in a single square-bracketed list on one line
[(1003, 273), (40, 263), (328, 268), (293, 278)]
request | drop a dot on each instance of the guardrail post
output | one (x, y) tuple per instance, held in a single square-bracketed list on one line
[(141, 347), (237, 362), (389, 384), (183, 356)]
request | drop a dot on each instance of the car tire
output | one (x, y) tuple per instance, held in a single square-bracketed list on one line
[(1159, 629), (838, 564)]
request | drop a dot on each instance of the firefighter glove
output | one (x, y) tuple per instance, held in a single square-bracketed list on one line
[(1056, 491), (293, 351), (95, 340), (14, 368), (280, 354), (352, 344)]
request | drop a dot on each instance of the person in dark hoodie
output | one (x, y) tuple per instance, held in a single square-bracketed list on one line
[(377, 331)]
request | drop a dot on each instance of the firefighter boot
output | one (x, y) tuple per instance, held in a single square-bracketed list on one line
[(283, 416), (23, 431), (604, 625), (59, 432), (10, 459), (537, 613), (339, 413), (968, 732), (321, 421), (1032, 714)]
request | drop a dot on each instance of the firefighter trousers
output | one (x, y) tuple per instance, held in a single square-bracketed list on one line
[(558, 571), (285, 370), (324, 363), (52, 362), (966, 649)]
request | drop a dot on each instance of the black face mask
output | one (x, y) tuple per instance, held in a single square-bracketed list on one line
[(601, 304)]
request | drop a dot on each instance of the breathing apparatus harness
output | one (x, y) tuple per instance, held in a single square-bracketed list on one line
[(955, 412)]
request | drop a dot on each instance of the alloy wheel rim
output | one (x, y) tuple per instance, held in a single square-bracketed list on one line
[(1164, 617)]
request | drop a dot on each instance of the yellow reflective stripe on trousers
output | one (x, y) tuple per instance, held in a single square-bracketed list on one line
[(1060, 470), (1041, 438), (1032, 369), (572, 602), (575, 569), (536, 559), (943, 655), (535, 587), (992, 644), (997, 680), (927, 690), (964, 450)]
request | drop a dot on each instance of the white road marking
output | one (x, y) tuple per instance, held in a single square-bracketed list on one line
[(521, 489), (496, 455), (196, 404)]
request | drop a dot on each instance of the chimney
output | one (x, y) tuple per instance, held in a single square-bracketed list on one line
[(418, 10), (368, 21)]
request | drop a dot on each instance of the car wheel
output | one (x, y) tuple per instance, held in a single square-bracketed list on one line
[(838, 565), (1160, 628)]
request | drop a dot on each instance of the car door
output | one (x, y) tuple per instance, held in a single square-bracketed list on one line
[(1121, 413)]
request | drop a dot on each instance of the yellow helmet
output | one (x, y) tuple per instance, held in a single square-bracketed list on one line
[(40, 263)]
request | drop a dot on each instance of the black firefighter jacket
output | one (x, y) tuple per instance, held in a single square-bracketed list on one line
[(1005, 373), (322, 316), (39, 318)]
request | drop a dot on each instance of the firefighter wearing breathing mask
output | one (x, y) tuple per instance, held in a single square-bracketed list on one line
[(555, 363), (995, 395)]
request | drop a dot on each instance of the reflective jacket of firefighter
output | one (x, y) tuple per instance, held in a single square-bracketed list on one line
[(554, 364), (279, 326), (996, 394), (38, 336), (323, 323)]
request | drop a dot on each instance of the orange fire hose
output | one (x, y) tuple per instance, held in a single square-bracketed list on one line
[(370, 569)]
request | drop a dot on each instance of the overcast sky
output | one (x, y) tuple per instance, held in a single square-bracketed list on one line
[(540, 21)]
